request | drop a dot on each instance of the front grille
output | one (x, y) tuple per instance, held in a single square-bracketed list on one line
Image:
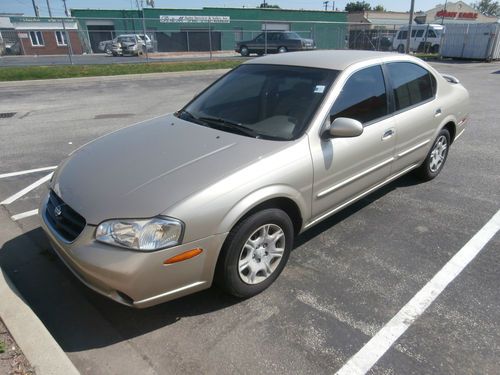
[(64, 220)]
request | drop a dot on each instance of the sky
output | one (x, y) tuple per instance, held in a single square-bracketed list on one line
[(57, 7)]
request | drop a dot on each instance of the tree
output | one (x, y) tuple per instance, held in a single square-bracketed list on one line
[(379, 8), (266, 5), (488, 7), (357, 6)]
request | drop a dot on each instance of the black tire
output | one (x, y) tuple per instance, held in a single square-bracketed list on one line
[(228, 274), (244, 51), (282, 49), (429, 170), (401, 48), (435, 48)]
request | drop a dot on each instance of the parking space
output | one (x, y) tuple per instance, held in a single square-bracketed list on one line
[(346, 277)]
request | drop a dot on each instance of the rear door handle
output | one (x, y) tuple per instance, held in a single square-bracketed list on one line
[(388, 134)]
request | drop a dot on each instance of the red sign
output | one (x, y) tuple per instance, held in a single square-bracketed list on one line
[(462, 15)]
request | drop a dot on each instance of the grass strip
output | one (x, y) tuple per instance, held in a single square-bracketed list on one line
[(71, 71)]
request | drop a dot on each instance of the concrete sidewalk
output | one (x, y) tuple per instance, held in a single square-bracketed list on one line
[(37, 344)]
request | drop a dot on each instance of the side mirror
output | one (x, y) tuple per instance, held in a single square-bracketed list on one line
[(343, 127)]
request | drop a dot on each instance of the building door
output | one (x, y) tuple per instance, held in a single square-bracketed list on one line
[(99, 33)]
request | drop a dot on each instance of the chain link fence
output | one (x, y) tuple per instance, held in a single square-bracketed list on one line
[(211, 37)]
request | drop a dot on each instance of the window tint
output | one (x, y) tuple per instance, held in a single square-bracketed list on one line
[(363, 97), (431, 34), (413, 32), (412, 84), (420, 33), (403, 35), (275, 101)]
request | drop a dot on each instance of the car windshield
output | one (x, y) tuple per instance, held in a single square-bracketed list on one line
[(127, 39), (262, 101)]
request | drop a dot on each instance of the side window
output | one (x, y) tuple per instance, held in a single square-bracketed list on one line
[(420, 33), (413, 32), (260, 38), (403, 34), (363, 96), (431, 34), (411, 83)]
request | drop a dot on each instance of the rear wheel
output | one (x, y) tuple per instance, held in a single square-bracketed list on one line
[(434, 162), (255, 253), (435, 48), (282, 49)]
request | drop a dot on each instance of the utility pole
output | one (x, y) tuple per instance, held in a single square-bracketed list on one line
[(325, 3), (410, 22), (333, 5), (444, 12), (48, 7), (35, 8), (65, 8)]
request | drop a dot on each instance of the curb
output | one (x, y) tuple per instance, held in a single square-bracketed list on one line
[(127, 77), (37, 344)]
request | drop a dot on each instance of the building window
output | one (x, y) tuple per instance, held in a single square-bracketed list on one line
[(61, 38), (36, 38)]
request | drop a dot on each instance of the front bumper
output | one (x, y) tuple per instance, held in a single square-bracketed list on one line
[(133, 278)]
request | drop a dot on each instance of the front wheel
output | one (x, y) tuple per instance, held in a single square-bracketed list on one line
[(282, 49), (244, 51), (255, 253), (401, 48), (434, 162)]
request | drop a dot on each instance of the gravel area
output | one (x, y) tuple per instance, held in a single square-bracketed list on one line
[(12, 359)]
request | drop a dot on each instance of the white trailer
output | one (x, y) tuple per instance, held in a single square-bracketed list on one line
[(479, 41)]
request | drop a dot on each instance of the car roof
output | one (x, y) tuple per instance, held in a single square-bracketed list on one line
[(331, 59)]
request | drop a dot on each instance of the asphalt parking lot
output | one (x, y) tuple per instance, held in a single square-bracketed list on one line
[(346, 278)]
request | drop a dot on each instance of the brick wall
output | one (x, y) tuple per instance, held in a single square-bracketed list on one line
[(50, 46)]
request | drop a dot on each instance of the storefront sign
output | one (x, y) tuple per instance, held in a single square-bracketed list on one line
[(459, 15), (22, 35), (195, 19)]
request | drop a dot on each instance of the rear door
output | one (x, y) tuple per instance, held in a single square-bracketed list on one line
[(417, 114), (345, 167)]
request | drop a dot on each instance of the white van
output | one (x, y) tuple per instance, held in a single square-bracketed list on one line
[(421, 35)]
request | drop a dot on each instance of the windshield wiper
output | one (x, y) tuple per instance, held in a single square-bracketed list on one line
[(232, 126), (188, 116)]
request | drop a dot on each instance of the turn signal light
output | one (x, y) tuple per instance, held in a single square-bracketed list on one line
[(184, 256)]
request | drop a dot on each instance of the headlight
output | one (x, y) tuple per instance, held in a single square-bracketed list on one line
[(142, 234)]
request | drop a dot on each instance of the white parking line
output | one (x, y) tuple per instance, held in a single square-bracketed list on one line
[(22, 215), (27, 189), (12, 174), (374, 349)]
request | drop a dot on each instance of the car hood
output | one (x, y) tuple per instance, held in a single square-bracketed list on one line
[(141, 170)]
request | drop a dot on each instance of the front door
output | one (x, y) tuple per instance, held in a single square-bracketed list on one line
[(346, 167)]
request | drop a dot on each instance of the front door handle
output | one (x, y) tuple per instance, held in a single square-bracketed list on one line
[(438, 112), (388, 134)]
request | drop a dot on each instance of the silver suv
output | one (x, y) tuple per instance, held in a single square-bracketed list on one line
[(218, 190)]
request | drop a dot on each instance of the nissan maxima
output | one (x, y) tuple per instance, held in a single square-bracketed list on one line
[(217, 191)]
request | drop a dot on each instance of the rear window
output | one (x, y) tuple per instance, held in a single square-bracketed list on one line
[(411, 83)]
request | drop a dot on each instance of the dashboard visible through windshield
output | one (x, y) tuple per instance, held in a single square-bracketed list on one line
[(262, 101)]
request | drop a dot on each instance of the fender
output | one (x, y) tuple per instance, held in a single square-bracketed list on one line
[(257, 197)]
